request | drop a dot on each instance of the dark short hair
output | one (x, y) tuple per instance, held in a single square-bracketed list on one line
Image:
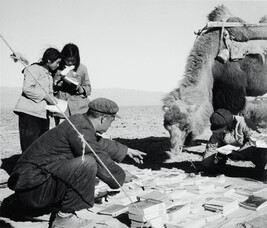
[(71, 50), (51, 54), (94, 114)]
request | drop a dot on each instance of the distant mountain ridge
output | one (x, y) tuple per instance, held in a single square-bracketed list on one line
[(123, 97)]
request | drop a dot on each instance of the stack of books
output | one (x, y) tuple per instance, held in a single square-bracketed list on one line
[(224, 205), (177, 211), (201, 188), (146, 213), (197, 185), (156, 195), (257, 201), (254, 203), (114, 210)]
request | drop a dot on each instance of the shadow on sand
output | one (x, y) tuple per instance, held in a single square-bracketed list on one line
[(155, 147), (4, 224), (158, 151), (8, 164)]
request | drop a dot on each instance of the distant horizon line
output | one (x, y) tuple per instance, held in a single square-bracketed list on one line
[(123, 97), (156, 91)]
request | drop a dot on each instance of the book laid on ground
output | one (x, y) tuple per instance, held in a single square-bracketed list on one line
[(193, 181), (171, 178), (150, 210), (238, 197), (183, 197), (147, 206), (147, 216), (114, 210), (259, 140), (157, 222), (227, 149), (154, 194), (226, 205), (200, 188), (188, 221), (177, 211), (169, 188), (254, 203), (261, 192), (123, 200), (224, 191), (250, 190)]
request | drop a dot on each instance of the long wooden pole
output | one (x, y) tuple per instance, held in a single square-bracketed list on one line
[(214, 24)]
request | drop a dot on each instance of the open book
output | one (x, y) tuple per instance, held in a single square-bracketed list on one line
[(70, 81), (60, 107), (227, 149), (114, 210), (259, 140)]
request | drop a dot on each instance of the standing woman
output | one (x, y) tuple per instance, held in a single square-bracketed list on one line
[(71, 82), (37, 92)]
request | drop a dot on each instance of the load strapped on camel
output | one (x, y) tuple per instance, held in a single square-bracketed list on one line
[(226, 64), (240, 39)]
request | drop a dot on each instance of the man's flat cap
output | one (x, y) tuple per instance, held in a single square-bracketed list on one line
[(221, 118), (105, 106)]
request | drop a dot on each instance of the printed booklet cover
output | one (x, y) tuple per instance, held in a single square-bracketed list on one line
[(227, 149)]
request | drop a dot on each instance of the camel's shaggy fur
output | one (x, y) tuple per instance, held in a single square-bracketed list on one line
[(209, 84), (256, 110)]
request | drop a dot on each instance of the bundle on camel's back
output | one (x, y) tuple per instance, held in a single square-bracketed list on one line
[(218, 76)]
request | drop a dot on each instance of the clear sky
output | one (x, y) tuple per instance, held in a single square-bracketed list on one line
[(129, 44)]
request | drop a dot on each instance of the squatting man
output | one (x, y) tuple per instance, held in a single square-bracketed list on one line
[(51, 173)]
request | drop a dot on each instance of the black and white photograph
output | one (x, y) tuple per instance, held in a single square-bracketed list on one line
[(133, 113)]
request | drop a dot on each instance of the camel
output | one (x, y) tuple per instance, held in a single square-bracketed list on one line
[(212, 80)]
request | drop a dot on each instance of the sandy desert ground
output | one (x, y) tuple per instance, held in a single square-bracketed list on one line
[(141, 128)]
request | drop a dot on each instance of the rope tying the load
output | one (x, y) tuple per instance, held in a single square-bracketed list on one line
[(84, 142)]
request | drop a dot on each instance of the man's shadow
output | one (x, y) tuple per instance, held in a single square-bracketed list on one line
[(157, 149), (8, 164), (4, 224), (10, 206), (158, 152)]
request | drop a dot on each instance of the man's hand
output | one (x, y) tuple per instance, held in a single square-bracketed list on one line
[(136, 155), (59, 83), (66, 70), (19, 57), (79, 90), (129, 177)]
